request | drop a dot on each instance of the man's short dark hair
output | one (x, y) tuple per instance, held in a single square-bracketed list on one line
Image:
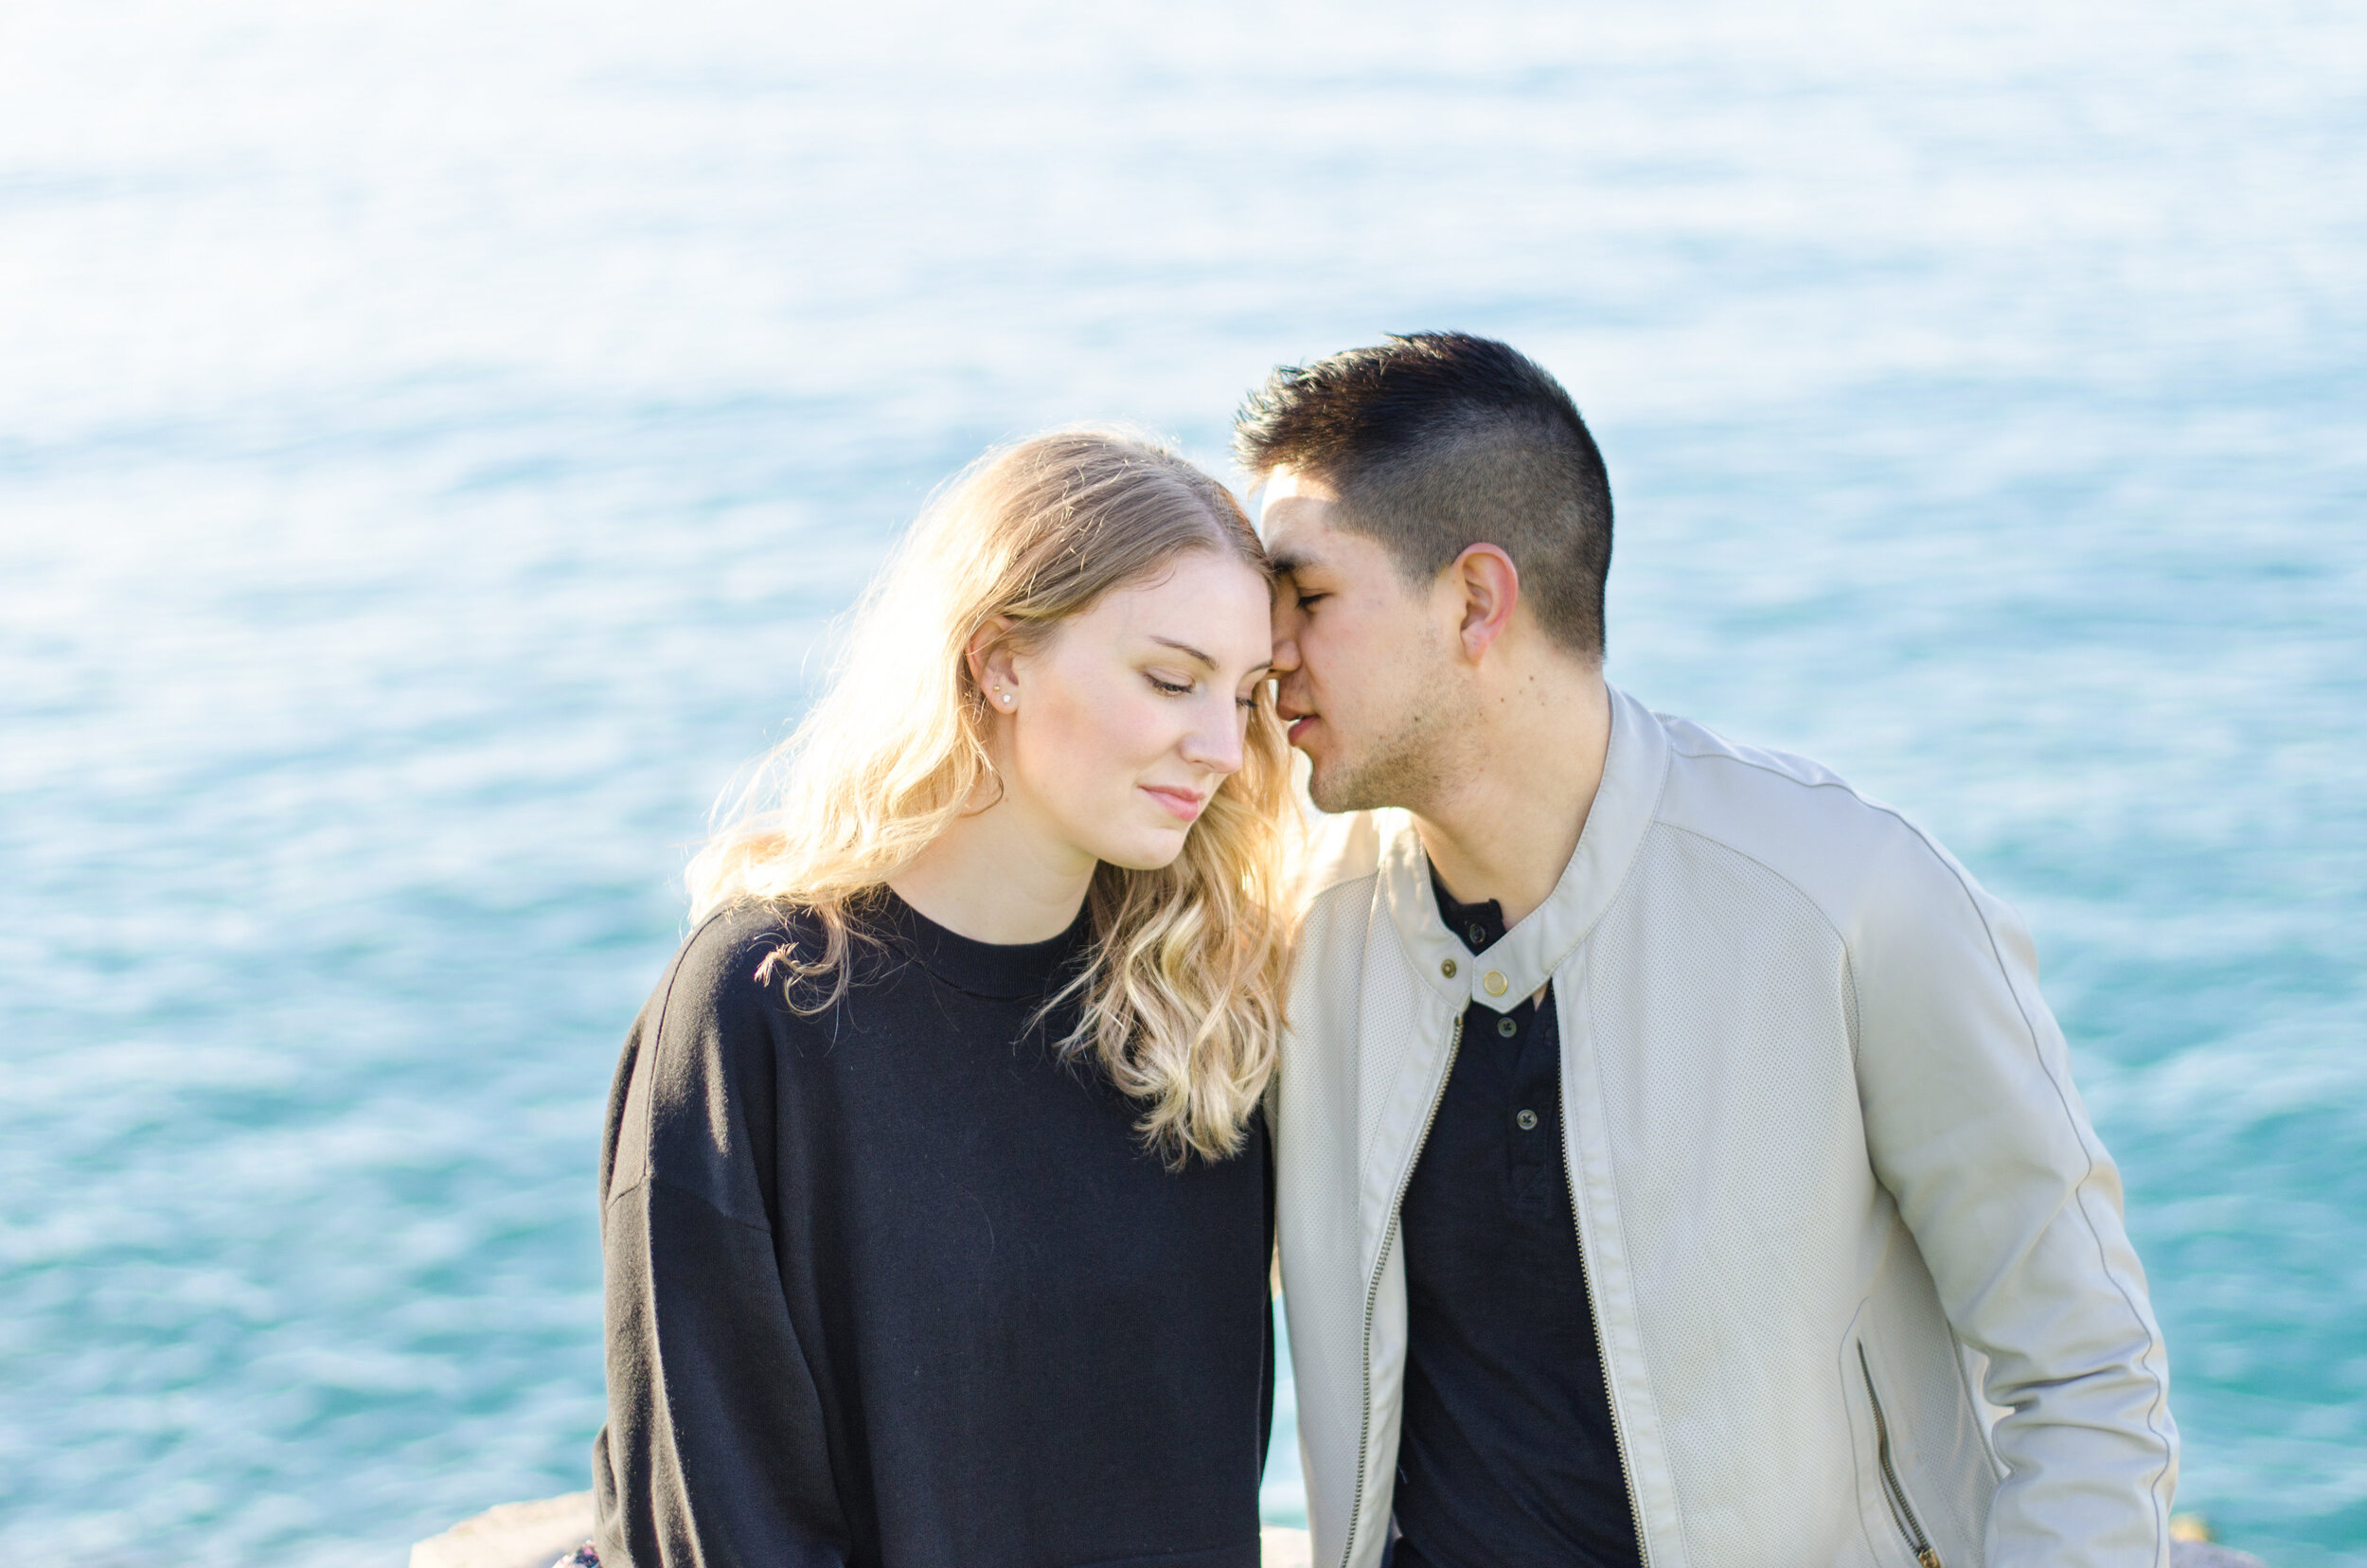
[(1436, 441)]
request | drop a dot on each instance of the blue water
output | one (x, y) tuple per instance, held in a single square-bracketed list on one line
[(435, 437)]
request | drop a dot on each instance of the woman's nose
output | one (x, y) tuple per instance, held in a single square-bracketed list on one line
[(1216, 743)]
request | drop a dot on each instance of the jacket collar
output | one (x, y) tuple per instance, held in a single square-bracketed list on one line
[(1524, 958)]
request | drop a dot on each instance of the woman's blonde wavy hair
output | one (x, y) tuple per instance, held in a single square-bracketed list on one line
[(1182, 1001)]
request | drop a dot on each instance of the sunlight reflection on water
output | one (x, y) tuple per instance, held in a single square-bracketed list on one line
[(438, 438)]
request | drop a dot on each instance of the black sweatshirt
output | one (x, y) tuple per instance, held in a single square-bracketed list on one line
[(891, 1284)]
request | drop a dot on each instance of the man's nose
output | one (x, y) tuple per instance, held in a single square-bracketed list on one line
[(1285, 641)]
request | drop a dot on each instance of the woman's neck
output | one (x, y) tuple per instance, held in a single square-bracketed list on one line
[(997, 877)]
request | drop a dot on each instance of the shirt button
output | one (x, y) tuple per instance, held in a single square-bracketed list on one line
[(1478, 936), (1507, 1028), (1527, 1120), (1494, 983), (1447, 969)]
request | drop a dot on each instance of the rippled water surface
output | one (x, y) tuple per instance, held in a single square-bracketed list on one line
[(435, 436)]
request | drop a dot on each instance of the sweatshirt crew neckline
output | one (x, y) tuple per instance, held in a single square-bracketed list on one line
[(999, 969)]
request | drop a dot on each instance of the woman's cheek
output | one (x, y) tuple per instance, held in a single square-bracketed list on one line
[(1078, 759), (1141, 732)]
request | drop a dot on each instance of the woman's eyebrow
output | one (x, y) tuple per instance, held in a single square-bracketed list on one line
[(1188, 647), (1185, 648)]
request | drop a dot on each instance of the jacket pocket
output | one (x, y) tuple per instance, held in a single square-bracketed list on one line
[(1902, 1508)]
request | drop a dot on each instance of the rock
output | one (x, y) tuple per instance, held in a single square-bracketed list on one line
[(536, 1534), (1288, 1548), (1292, 1549), (516, 1535), (2204, 1554)]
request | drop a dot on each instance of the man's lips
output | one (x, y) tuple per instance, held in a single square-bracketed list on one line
[(1295, 720), (1185, 804)]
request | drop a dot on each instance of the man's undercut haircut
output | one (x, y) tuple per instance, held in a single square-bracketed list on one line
[(1437, 441)]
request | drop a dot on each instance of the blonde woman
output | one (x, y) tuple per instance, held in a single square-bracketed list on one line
[(936, 1200)]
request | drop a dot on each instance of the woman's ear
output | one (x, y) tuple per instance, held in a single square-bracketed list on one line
[(991, 664)]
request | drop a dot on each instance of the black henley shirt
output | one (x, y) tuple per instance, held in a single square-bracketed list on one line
[(1507, 1457), (891, 1284)]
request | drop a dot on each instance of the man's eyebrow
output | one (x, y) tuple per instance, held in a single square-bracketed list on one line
[(1289, 563), (1188, 647)]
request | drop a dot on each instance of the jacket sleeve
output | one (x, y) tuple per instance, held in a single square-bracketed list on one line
[(715, 1452), (1975, 1129)]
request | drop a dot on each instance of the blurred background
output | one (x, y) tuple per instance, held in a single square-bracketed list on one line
[(434, 439)]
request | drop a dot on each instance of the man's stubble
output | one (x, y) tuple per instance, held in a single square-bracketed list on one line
[(1409, 764)]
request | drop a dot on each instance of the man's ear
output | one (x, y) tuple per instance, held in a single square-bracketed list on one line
[(1491, 586)]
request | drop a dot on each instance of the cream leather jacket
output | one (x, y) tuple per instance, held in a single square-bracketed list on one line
[(1855, 1255)]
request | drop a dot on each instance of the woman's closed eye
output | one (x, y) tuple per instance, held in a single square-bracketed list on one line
[(1168, 688)]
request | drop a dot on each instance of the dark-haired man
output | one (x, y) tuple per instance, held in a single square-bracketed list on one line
[(1678, 1164)]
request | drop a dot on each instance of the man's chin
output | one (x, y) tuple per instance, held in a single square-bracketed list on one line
[(1338, 786), (1335, 790)]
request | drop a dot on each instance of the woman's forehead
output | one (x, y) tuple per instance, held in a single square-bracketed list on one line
[(1212, 609)]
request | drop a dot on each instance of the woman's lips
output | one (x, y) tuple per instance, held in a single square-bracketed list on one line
[(1185, 804)]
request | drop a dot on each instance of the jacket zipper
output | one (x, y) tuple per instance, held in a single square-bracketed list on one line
[(1371, 1291), (1602, 1351), (1893, 1493)]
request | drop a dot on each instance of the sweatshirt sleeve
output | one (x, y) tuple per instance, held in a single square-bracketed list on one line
[(1975, 1127), (715, 1452)]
